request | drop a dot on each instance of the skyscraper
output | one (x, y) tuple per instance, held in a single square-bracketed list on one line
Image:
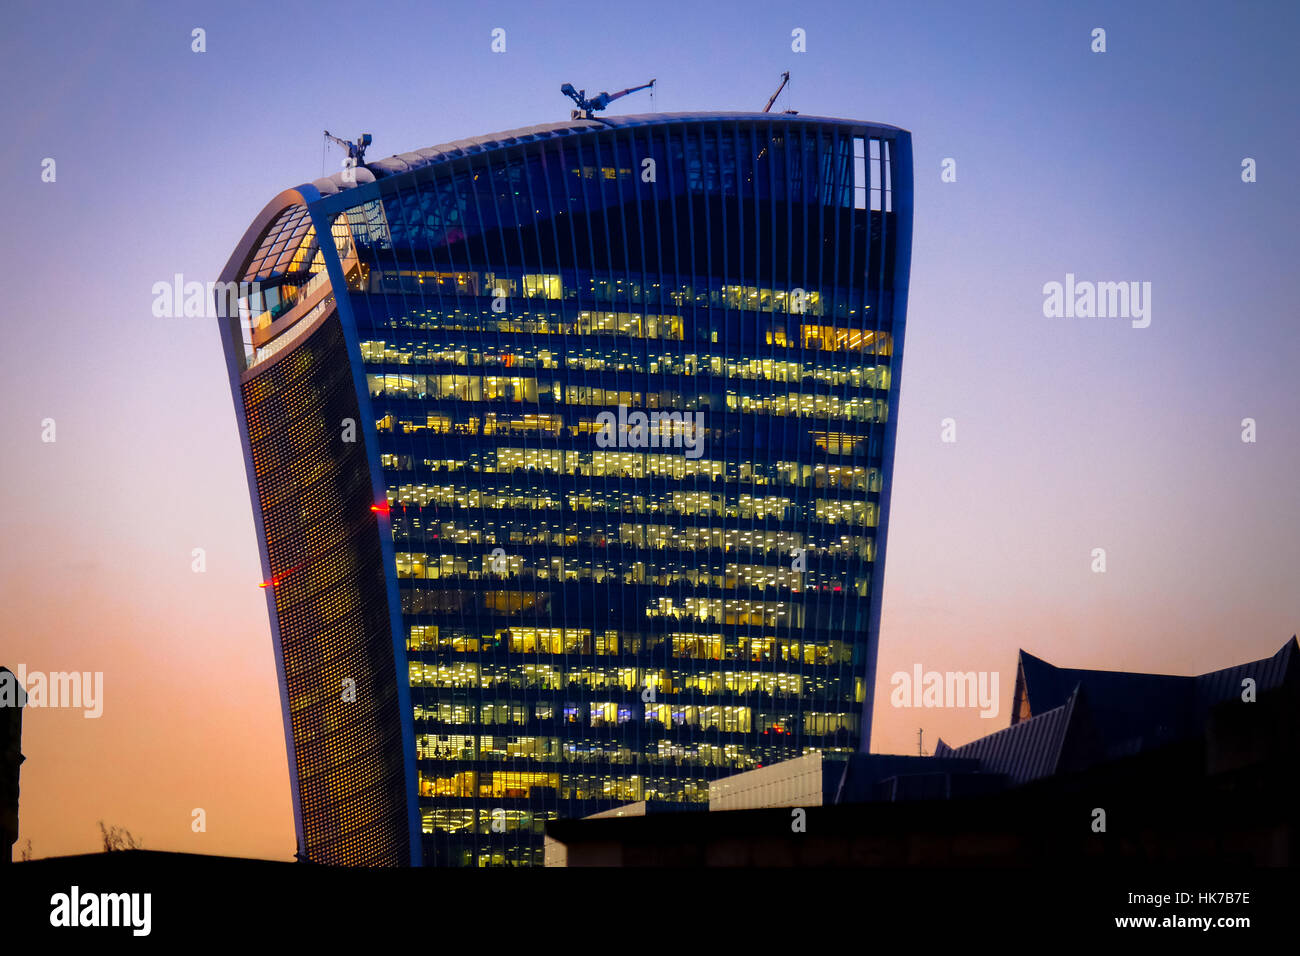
[(570, 453)]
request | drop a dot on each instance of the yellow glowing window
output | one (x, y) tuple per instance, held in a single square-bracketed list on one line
[(516, 784), (542, 287), (837, 443), (306, 249)]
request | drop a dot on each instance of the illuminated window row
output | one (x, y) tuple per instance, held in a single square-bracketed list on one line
[(831, 338), (654, 537), (690, 504), (727, 718), (633, 464), (485, 751), (417, 353), (465, 784), (432, 282), (811, 406), (467, 715), (827, 338), (490, 424), (420, 566), (520, 640), (730, 718), (623, 360), (666, 682), (446, 285), (469, 388), (753, 299), (670, 502), (489, 388), (659, 429), (721, 611), (755, 369), (624, 464), (494, 823), (593, 322), (538, 788), (535, 640), (662, 753), (527, 604), (662, 680), (671, 537)]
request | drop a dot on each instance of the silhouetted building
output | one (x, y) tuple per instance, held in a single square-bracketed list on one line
[(555, 853), (13, 698), (1065, 719), (1186, 770), (570, 451)]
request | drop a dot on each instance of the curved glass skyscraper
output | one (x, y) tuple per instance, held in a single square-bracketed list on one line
[(570, 453)]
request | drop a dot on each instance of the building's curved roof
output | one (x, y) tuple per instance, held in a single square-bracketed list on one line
[(405, 162)]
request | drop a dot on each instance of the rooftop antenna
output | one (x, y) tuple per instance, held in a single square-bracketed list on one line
[(355, 150), (586, 107), (785, 78), (920, 751)]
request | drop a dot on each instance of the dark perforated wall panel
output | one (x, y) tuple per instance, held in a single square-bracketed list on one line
[(331, 603)]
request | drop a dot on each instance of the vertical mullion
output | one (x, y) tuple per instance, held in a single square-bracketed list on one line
[(535, 155), (485, 321), (591, 259)]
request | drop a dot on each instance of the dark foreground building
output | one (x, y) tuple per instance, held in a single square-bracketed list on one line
[(13, 697), (570, 454), (1185, 771)]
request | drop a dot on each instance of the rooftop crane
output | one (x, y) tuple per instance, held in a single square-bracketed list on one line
[(355, 150), (588, 106), (785, 78)]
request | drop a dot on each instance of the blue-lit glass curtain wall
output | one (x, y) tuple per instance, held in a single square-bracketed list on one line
[(631, 390)]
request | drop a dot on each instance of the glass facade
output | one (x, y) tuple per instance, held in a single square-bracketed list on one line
[(624, 392)]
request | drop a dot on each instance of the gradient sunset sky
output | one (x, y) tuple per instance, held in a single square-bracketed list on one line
[(1073, 434)]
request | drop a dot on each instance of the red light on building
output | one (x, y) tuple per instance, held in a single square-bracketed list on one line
[(275, 581), (381, 509)]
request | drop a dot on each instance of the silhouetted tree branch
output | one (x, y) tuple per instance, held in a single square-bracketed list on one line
[(118, 838)]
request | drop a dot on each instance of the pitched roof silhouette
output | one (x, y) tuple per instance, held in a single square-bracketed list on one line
[(1132, 712), (1066, 718), (1046, 744)]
